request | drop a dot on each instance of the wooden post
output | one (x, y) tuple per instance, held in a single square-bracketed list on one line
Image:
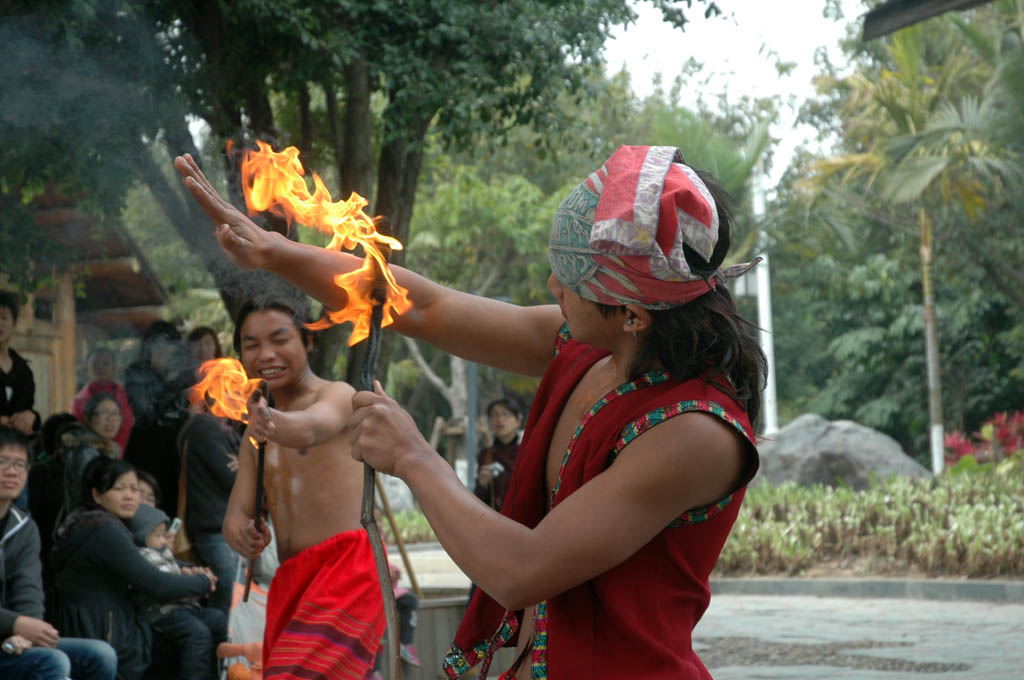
[(398, 539)]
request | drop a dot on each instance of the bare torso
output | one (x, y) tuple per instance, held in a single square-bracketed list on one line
[(312, 494), (595, 384)]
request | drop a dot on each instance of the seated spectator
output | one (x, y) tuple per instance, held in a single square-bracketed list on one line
[(209, 454), (17, 386), (149, 490), (155, 384), (100, 365), (103, 416), (32, 649), (205, 344), (193, 630), (46, 493), (77, 446), (100, 571)]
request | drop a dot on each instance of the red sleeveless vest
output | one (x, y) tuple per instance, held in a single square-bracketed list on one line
[(636, 619)]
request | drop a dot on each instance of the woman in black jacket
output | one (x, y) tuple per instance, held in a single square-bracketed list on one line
[(98, 567)]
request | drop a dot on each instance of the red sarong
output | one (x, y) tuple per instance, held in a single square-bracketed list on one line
[(325, 615)]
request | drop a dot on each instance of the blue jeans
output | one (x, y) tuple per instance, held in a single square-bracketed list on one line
[(74, 657), (215, 553)]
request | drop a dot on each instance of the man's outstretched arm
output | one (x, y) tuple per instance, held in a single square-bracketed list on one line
[(327, 416), (688, 461), (510, 337)]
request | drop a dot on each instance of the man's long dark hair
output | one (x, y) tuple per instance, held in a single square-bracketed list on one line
[(707, 337)]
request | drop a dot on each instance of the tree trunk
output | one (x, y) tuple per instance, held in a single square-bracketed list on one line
[(261, 117), (305, 125), (931, 344), (357, 164), (194, 229), (334, 119), (353, 155), (401, 159)]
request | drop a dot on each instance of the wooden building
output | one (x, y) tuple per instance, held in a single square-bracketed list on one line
[(105, 291)]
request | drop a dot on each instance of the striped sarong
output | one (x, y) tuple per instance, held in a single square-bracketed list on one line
[(325, 616)]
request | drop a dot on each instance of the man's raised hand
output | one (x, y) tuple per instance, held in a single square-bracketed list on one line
[(245, 243)]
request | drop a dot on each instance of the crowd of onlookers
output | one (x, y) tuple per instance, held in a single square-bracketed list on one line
[(92, 580)]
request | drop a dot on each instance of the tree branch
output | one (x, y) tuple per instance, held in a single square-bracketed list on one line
[(432, 377)]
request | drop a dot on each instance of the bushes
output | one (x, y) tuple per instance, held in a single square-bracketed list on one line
[(967, 523), (960, 525), (412, 525)]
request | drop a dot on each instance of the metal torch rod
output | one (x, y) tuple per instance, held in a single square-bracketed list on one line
[(261, 451), (366, 517)]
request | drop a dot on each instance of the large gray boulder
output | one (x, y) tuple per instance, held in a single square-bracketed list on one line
[(812, 450)]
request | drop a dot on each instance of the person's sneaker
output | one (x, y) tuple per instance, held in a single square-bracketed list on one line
[(409, 655)]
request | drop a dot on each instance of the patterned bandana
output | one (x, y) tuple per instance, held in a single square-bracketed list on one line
[(618, 237)]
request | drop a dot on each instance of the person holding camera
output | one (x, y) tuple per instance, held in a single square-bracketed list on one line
[(495, 462)]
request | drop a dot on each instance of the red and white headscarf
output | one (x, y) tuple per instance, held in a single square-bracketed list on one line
[(618, 237)]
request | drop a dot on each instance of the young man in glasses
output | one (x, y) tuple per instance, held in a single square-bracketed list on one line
[(31, 647)]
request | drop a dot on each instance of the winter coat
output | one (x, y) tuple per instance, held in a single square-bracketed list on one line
[(98, 568), (18, 388), (21, 574), (210, 442)]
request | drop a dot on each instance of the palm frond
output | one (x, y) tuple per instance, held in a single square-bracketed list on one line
[(908, 180)]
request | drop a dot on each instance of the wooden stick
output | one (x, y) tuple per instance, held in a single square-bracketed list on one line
[(366, 518), (398, 539), (261, 451)]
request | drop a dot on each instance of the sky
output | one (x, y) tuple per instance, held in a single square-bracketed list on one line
[(740, 50)]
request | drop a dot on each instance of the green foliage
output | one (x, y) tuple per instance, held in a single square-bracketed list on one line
[(412, 525), (964, 525), (926, 125), (486, 237)]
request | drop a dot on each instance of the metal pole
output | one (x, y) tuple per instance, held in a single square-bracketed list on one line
[(770, 403), (471, 410)]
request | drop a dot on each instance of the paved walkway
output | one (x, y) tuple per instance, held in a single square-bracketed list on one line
[(855, 629), (755, 637)]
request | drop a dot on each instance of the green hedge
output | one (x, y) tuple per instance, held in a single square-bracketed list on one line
[(958, 525)]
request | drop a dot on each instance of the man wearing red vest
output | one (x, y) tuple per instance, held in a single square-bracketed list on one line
[(640, 443)]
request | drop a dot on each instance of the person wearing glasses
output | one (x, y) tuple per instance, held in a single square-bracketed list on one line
[(31, 647), (100, 364), (102, 414)]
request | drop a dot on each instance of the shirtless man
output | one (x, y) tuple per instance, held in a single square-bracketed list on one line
[(327, 580), (639, 446)]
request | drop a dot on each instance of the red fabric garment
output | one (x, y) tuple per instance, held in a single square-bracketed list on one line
[(636, 619), (325, 615), (115, 388)]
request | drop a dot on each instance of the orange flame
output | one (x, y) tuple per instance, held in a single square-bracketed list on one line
[(273, 182), (225, 388)]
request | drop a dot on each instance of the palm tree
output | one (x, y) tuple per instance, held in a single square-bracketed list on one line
[(926, 143)]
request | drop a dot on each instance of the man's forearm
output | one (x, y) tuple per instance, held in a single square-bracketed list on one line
[(486, 545)]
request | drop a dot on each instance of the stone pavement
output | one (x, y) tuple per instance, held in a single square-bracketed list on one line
[(760, 637), (855, 629)]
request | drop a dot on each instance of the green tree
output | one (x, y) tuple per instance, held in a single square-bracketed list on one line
[(922, 147)]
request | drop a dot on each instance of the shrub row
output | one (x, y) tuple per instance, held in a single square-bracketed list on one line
[(958, 525)]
